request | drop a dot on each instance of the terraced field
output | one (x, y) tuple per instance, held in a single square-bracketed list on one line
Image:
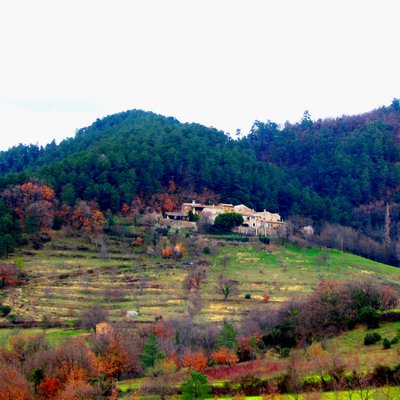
[(69, 274)]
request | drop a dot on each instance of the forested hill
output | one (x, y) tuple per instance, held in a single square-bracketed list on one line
[(322, 169)]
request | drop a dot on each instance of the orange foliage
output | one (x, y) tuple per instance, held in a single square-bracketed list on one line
[(196, 361), (171, 186), (49, 387), (167, 203), (138, 241), (34, 192), (179, 250), (224, 356), (13, 385), (125, 209), (266, 297), (168, 252), (88, 218), (115, 360)]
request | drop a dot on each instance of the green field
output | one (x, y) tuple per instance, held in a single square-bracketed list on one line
[(54, 335), (69, 274)]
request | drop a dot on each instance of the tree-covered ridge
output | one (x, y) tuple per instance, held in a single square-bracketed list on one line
[(323, 169)]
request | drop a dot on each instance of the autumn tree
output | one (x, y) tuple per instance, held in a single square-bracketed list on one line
[(224, 355), (196, 361), (13, 385), (114, 360), (49, 387), (88, 218), (33, 203)]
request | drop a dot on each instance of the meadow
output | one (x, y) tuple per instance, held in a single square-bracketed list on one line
[(70, 274)]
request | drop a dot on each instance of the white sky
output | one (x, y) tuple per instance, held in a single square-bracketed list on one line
[(222, 63)]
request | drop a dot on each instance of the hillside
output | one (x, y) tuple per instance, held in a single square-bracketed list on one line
[(323, 169), (70, 272), (341, 171)]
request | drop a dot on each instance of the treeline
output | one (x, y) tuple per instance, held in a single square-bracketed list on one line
[(338, 170)]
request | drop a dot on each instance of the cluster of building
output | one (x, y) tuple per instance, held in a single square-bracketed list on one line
[(254, 222)]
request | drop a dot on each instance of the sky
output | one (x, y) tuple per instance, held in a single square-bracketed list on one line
[(222, 63)]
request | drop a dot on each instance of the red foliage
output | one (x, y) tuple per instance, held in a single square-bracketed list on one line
[(163, 330), (256, 368), (8, 275), (49, 387), (225, 356), (196, 361), (168, 203)]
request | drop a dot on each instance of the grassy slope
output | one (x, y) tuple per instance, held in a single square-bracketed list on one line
[(70, 274)]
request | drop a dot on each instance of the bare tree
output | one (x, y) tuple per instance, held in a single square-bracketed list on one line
[(92, 316), (226, 287)]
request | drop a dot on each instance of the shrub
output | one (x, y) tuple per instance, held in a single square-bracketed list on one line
[(4, 310), (372, 338), (247, 296), (206, 250), (284, 352), (395, 340), (370, 316), (386, 344)]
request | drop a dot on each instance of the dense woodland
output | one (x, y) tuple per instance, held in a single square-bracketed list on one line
[(341, 171)]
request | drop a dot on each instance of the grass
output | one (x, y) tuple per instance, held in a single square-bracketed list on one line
[(70, 273), (54, 335), (351, 345)]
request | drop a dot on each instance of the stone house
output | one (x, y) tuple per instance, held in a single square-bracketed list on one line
[(254, 222)]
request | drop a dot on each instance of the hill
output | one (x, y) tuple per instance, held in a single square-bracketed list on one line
[(341, 171), (70, 272)]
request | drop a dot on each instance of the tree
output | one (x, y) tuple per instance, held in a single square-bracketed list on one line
[(92, 316), (88, 218), (49, 387), (13, 385), (151, 352), (196, 387), (225, 222), (227, 337), (226, 287), (225, 355), (196, 361)]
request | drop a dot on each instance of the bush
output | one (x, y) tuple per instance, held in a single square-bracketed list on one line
[(372, 338), (284, 352), (247, 296), (4, 310), (206, 250), (395, 340), (370, 316), (386, 344)]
